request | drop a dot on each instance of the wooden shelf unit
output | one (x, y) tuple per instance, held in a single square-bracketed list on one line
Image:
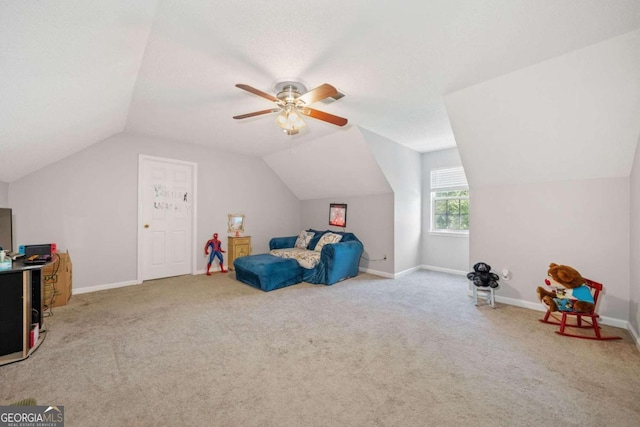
[(21, 306)]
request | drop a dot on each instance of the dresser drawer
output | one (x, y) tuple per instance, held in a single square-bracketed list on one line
[(241, 241), (242, 250)]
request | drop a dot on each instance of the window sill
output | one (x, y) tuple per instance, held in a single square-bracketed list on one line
[(449, 233)]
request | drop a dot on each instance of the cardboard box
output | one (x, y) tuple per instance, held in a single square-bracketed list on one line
[(57, 281)]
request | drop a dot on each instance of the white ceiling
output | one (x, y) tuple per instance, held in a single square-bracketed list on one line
[(74, 73)]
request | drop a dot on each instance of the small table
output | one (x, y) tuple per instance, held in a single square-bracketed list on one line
[(486, 292)]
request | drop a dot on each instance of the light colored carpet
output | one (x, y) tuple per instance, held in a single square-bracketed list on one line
[(208, 350)]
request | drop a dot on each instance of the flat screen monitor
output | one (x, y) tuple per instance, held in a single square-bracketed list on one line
[(6, 230)]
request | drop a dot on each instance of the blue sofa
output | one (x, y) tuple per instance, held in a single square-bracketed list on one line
[(338, 261)]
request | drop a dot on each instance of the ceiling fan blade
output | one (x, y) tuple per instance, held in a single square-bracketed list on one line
[(255, 91), (321, 115), (318, 94), (257, 113)]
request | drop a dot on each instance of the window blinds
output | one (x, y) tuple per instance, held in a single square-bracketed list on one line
[(447, 179)]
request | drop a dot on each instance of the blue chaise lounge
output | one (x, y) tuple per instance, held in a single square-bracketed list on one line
[(313, 259)]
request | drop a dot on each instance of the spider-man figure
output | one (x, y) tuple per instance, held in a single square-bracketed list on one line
[(216, 251)]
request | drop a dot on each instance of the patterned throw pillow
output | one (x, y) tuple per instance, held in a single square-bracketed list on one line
[(303, 239), (326, 239)]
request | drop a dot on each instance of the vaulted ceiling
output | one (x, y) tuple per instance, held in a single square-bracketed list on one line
[(75, 73), (576, 116)]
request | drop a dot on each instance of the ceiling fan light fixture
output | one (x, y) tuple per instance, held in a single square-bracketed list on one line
[(292, 100), (290, 120)]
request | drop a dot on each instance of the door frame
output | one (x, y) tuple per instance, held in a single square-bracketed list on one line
[(194, 208)]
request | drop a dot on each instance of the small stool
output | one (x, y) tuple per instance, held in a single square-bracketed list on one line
[(486, 292)]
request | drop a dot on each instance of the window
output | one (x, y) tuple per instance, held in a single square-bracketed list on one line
[(449, 200)]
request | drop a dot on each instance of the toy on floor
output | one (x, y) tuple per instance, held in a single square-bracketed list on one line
[(567, 290), (216, 252), (482, 276)]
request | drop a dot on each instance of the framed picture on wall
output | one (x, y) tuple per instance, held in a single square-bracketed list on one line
[(338, 214)]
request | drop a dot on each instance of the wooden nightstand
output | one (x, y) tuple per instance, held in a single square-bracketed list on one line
[(237, 247)]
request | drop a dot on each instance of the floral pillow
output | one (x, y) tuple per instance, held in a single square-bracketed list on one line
[(303, 239), (327, 239)]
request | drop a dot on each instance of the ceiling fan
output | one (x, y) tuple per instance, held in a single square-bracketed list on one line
[(291, 103)]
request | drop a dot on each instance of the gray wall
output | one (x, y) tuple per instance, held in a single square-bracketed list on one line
[(337, 165), (87, 204), (574, 116), (446, 252), (403, 169), (634, 291), (341, 168), (581, 223), (370, 218), (4, 195), (548, 151)]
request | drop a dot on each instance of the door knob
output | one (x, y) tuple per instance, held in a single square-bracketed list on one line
[(146, 226)]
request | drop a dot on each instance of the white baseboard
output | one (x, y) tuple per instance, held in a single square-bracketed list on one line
[(634, 335), (212, 270), (88, 289), (610, 321), (388, 275), (605, 320), (405, 272), (411, 270), (377, 273), (444, 270)]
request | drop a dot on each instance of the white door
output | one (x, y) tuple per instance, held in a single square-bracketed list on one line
[(166, 210)]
